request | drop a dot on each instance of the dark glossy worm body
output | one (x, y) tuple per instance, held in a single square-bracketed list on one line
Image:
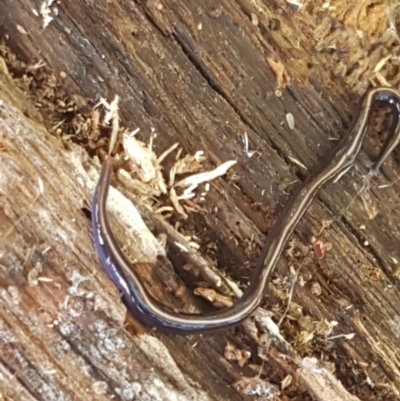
[(153, 314)]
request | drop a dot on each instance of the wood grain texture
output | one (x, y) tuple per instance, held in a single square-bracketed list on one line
[(197, 72)]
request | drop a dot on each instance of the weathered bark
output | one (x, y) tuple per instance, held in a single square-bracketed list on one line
[(197, 73)]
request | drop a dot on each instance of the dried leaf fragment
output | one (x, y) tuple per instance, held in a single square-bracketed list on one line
[(257, 387), (188, 164), (279, 70), (143, 162), (234, 354)]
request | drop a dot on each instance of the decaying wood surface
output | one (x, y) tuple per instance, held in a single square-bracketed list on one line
[(202, 74)]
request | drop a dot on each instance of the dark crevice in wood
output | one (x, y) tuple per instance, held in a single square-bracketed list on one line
[(189, 49)]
